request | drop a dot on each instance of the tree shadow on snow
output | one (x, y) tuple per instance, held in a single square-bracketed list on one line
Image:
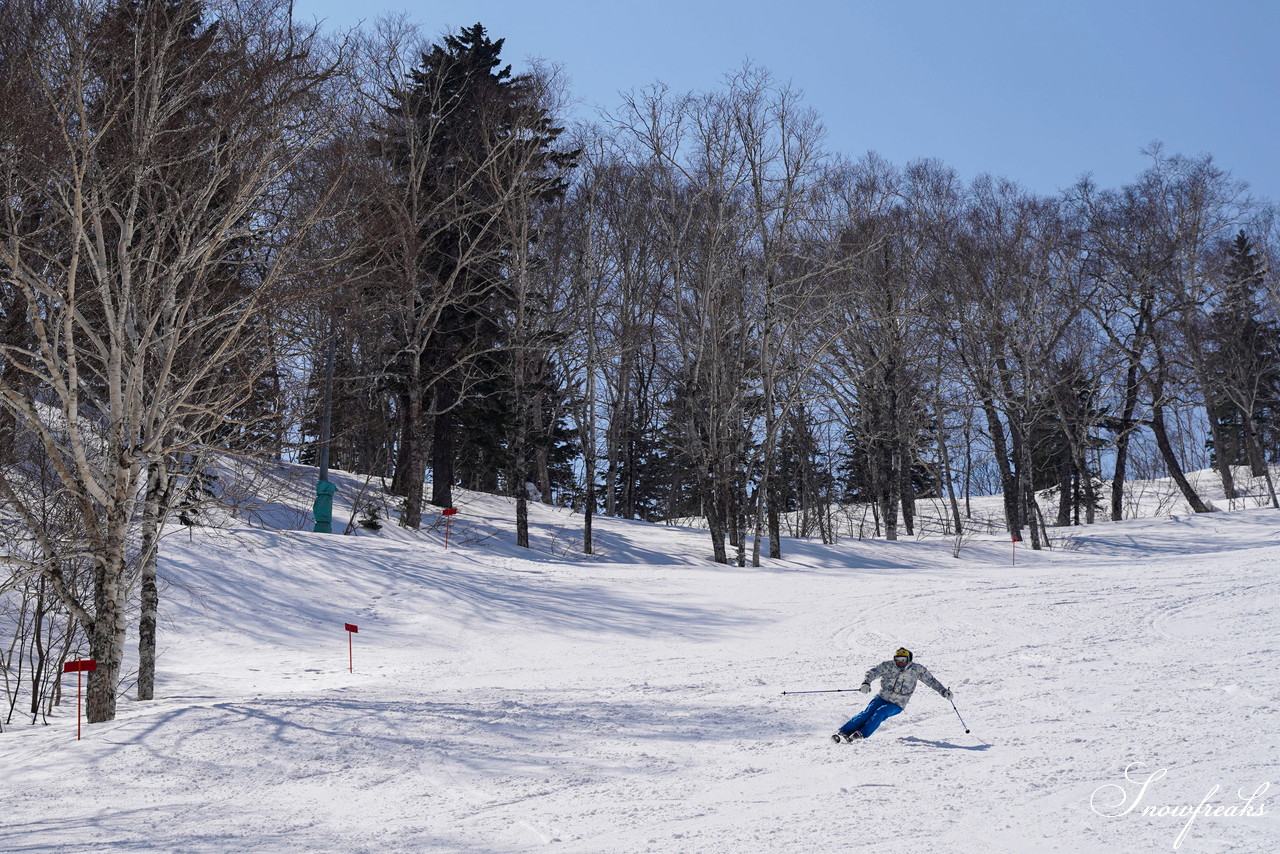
[(280, 586)]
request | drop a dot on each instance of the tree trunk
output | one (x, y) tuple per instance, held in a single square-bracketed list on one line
[(106, 636), (774, 520), (442, 458), (1171, 460), (415, 464), (714, 509), (1065, 494), (737, 519), (1031, 511), (758, 521), (1253, 447), (891, 496), (907, 494), (1222, 457), (589, 473), (614, 436), (408, 432), (1085, 483), (1012, 509), (587, 432), (150, 607), (1127, 427), (39, 654), (153, 512), (588, 512), (520, 466), (945, 459), (542, 451), (522, 516), (1257, 459)]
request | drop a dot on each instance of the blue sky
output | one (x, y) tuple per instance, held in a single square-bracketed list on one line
[(1036, 91)]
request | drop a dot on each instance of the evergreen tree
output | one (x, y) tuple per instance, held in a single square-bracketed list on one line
[(801, 485), (1058, 463), (470, 139), (1245, 362), (860, 484)]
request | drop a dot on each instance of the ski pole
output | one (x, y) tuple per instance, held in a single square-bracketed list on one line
[(962, 723), (823, 691)]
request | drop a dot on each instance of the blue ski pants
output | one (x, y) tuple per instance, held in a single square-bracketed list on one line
[(876, 712)]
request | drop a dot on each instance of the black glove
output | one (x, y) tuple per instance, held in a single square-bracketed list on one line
[(946, 693)]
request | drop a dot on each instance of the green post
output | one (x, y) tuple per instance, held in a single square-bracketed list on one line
[(322, 510)]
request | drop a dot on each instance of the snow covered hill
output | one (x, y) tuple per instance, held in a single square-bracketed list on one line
[(504, 700)]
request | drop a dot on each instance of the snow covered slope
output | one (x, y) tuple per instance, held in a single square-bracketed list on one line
[(507, 701)]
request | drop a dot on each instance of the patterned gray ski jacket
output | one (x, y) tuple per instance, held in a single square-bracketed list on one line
[(898, 684)]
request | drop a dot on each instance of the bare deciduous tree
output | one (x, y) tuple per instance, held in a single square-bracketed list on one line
[(156, 148)]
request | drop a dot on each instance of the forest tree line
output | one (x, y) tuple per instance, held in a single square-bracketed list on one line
[(226, 232)]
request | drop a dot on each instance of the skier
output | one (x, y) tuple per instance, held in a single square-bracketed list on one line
[(897, 682)]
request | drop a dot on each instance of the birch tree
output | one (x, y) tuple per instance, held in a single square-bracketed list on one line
[(157, 147)]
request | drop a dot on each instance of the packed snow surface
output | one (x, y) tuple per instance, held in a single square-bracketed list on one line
[(527, 700)]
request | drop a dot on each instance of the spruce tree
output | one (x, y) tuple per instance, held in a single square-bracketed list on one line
[(1245, 361), (477, 139)]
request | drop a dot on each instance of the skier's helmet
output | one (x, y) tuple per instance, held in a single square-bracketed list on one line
[(902, 657)]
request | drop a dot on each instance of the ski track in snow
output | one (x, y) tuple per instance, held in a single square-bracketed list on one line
[(501, 703)]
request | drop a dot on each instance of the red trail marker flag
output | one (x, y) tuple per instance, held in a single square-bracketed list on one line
[(352, 629), (84, 665), (448, 513)]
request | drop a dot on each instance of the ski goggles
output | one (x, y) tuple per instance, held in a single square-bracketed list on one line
[(899, 659)]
